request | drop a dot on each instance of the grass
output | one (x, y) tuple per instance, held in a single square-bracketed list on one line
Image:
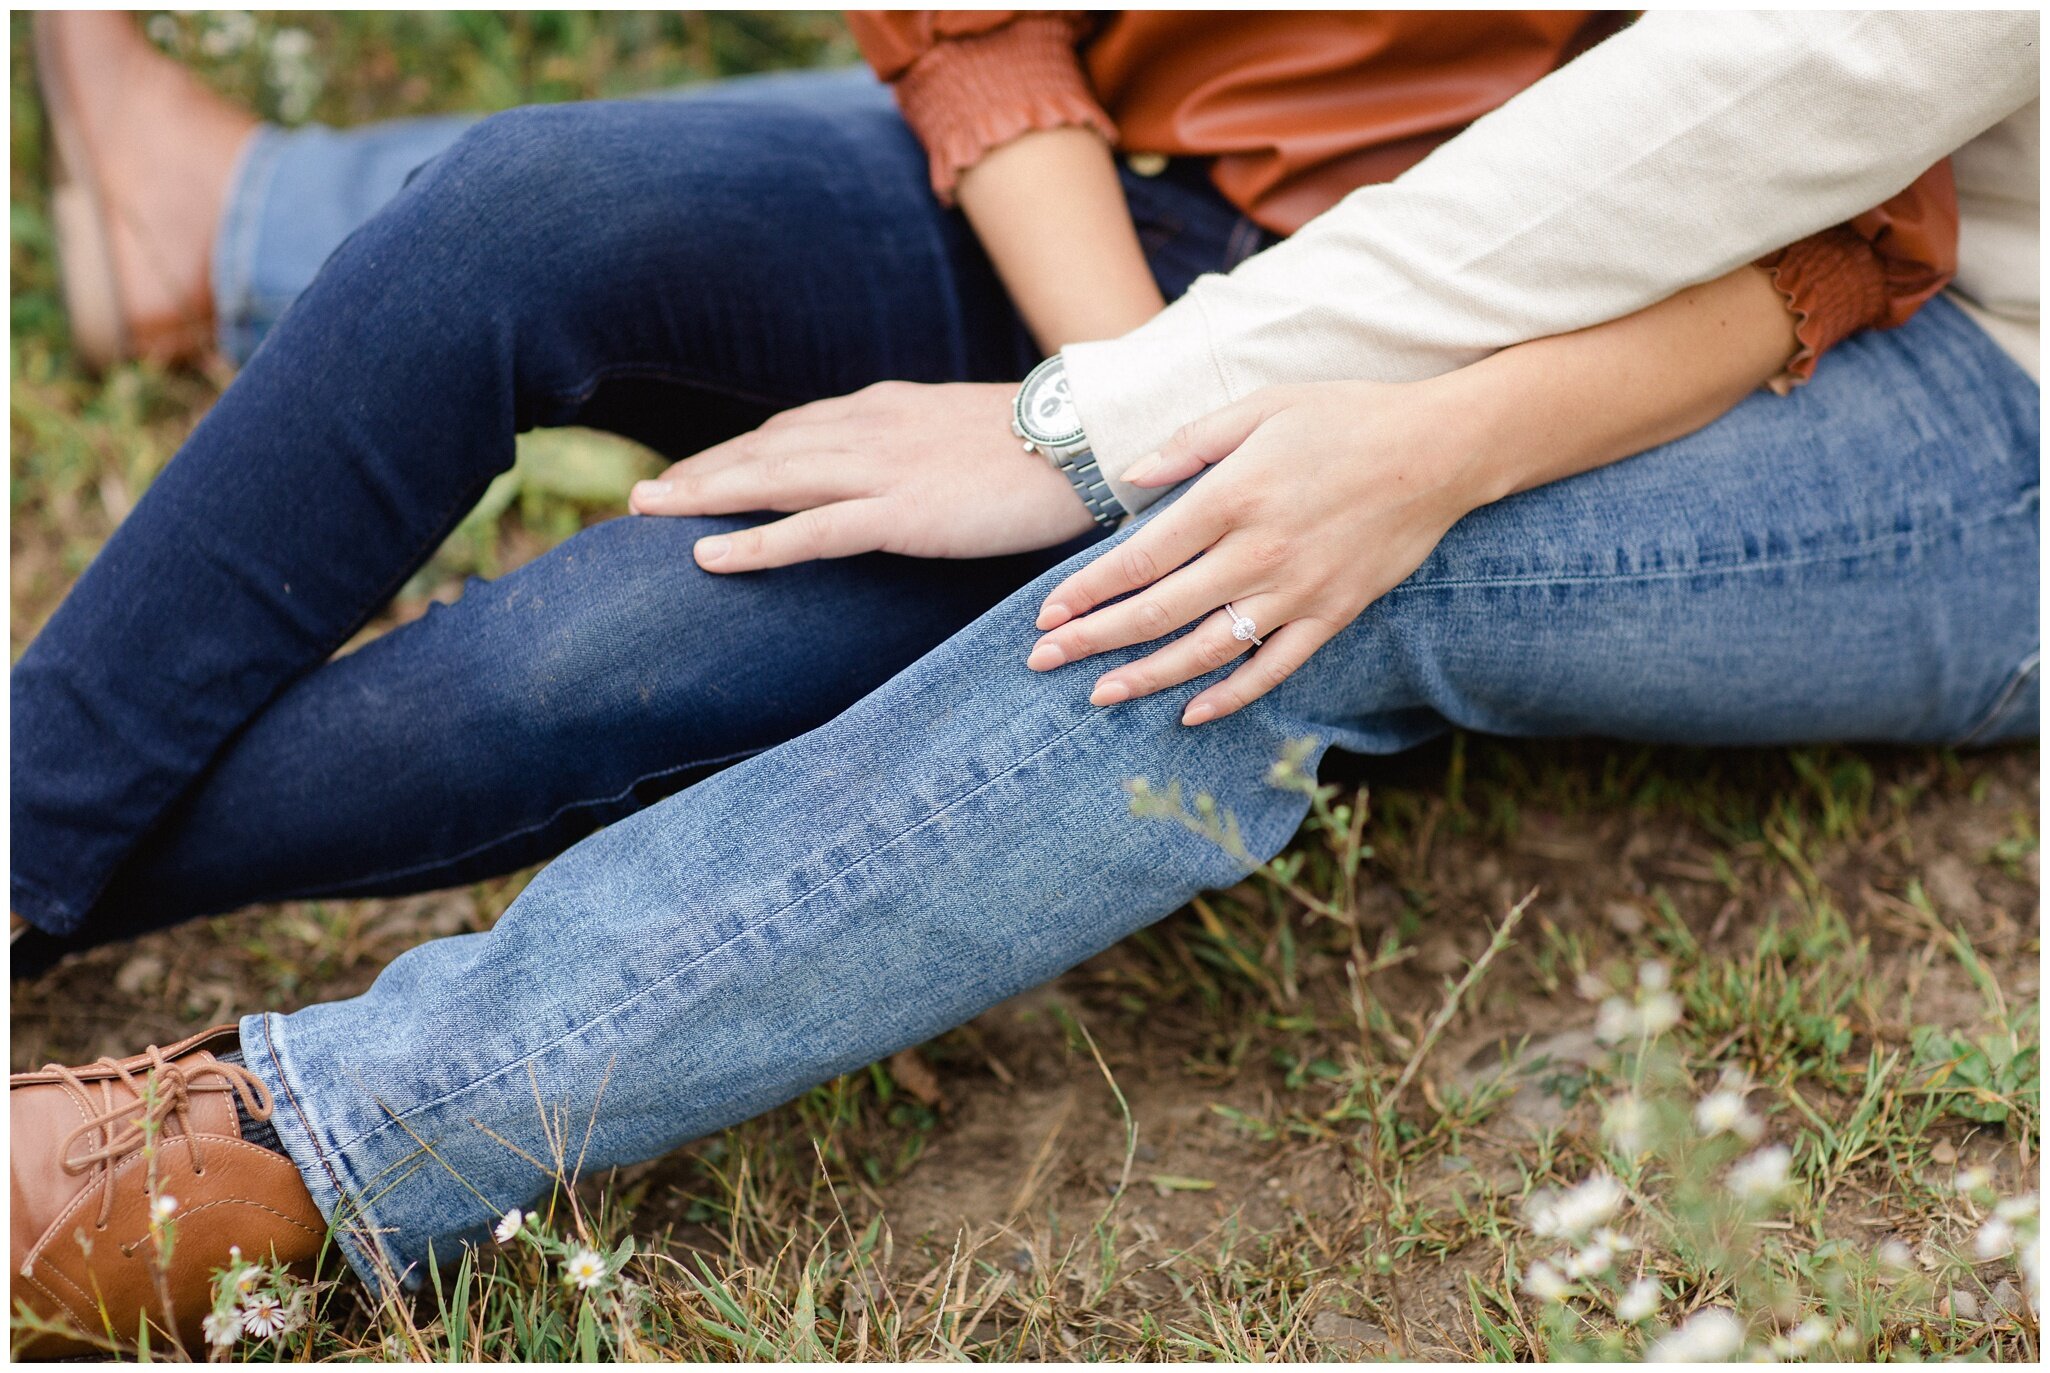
[(1326, 1113)]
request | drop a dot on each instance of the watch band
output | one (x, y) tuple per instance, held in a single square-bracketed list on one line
[(1080, 468)]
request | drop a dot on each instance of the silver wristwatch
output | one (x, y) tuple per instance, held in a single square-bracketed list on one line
[(1044, 417)]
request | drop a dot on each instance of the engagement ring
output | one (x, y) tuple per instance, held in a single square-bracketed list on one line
[(1242, 628)]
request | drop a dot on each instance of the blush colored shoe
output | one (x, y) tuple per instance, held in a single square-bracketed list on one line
[(141, 157), (82, 1252)]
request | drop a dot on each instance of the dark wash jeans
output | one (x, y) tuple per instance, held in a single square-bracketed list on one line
[(671, 270)]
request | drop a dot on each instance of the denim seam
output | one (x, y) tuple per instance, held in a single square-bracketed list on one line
[(2008, 691), (341, 893), (1674, 574), (1088, 718), (270, 1048)]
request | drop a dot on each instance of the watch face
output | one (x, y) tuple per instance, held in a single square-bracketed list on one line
[(1045, 411)]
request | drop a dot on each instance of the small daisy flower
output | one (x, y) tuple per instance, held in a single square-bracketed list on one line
[(1544, 1282), (1710, 1336), (508, 1226), (1639, 1301), (1809, 1336), (1896, 1255), (1654, 976), (1659, 1012), (1628, 1125), (164, 1207), (584, 1269), (222, 1328), (1615, 1241), (1615, 1021), (1995, 1239), (1723, 1112), (1574, 1212), (2017, 1208), (263, 1316), (1761, 1176), (1596, 1259)]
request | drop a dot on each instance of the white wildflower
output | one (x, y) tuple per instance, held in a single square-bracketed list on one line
[(1761, 1176), (229, 33), (292, 45), (263, 1316), (1710, 1336), (2017, 1208), (1654, 976), (508, 1226), (1590, 1262), (222, 1327), (1615, 1241), (1628, 1124), (1571, 1214), (1589, 987), (1809, 1336), (2029, 1260), (1896, 1255), (1659, 1012), (1615, 1021), (1639, 1301), (584, 1269), (1543, 1282), (1723, 1111), (1995, 1240), (1974, 1179), (164, 1207)]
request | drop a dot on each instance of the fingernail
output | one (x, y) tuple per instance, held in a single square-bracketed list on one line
[(1197, 714), (711, 550), (1045, 656), (1054, 615), (1143, 468), (1109, 694), (649, 491)]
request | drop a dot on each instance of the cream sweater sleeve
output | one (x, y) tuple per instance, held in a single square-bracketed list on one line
[(1682, 148)]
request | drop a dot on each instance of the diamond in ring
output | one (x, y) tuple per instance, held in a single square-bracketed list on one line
[(1242, 628)]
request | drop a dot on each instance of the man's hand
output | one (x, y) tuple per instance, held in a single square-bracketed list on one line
[(898, 467)]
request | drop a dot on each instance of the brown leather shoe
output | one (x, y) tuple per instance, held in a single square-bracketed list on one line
[(141, 156), (83, 1256)]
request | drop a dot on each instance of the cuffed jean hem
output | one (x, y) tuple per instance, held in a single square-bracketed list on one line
[(350, 1222), (241, 319)]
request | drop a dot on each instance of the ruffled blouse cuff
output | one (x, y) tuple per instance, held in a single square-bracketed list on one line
[(1835, 285), (970, 94)]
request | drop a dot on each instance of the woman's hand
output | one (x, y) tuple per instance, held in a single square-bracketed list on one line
[(1327, 496), (928, 471)]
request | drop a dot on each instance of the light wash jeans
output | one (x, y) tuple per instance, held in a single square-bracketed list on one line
[(1858, 561)]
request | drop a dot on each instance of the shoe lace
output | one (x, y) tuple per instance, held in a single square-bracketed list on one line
[(162, 1091)]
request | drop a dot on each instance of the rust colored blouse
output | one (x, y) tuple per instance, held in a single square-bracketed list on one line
[(1297, 108)]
